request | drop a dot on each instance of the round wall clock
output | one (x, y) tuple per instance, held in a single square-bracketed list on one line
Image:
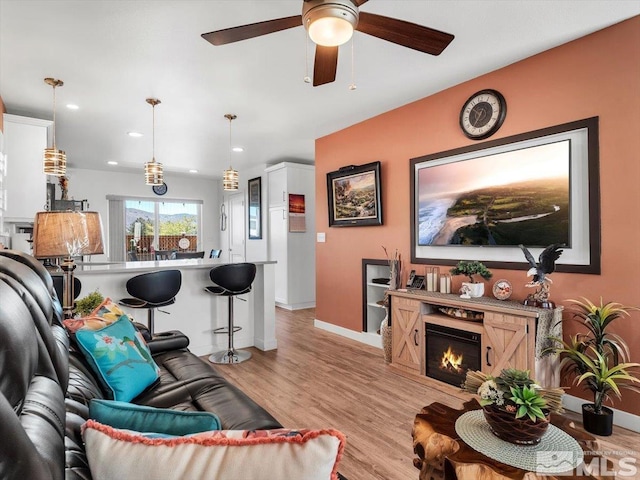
[(483, 114), (160, 189)]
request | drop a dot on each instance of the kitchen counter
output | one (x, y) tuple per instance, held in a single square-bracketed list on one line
[(196, 313)]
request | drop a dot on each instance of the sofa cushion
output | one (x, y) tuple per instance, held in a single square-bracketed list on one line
[(120, 357), (129, 416), (223, 454)]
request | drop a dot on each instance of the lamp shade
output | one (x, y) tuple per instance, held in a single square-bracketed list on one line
[(230, 180), (67, 234)]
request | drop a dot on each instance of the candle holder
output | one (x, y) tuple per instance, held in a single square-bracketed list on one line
[(445, 283), (432, 278)]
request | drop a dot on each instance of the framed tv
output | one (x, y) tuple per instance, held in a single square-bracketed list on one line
[(354, 196), (538, 188)]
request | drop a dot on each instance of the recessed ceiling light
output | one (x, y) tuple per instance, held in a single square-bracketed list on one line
[(193, 171), (238, 149), (71, 106), (134, 134), (112, 162)]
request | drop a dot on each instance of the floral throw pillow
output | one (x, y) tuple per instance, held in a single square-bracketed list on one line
[(120, 357), (105, 314)]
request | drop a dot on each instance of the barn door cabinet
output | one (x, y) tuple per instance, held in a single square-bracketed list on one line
[(508, 332), (407, 333)]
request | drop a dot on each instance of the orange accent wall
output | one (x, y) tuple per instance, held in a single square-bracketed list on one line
[(597, 75)]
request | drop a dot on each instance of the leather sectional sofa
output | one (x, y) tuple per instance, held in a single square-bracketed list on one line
[(46, 385)]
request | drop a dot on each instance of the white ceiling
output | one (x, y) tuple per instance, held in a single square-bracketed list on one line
[(112, 55)]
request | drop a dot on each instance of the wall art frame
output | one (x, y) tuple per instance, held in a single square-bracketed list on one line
[(254, 208), (354, 196), (581, 253)]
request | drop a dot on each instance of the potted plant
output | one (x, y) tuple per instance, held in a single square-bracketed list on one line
[(88, 304), (515, 407), (598, 360), (472, 288)]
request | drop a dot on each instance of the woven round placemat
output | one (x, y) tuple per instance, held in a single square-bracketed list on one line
[(557, 452)]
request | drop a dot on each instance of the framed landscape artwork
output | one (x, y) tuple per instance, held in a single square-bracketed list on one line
[(255, 216), (536, 189), (354, 196)]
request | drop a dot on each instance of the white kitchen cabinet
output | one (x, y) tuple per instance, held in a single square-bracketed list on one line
[(25, 184), (294, 251)]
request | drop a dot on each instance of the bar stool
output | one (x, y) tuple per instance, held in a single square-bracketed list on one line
[(153, 290), (231, 280)]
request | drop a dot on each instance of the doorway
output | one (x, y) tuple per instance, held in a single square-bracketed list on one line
[(236, 228)]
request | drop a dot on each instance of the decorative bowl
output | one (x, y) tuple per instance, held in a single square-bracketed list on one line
[(520, 431)]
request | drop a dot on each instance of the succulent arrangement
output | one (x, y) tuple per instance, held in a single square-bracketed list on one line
[(515, 392)]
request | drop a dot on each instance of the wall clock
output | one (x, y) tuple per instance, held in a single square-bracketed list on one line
[(160, 189), (483, 114)]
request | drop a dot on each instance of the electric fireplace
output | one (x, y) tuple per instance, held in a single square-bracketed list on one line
[(450, 353)]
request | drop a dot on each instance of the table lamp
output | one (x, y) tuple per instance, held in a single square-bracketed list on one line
[(67, 234)]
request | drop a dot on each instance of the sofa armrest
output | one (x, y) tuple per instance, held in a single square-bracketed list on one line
[(166, 341)]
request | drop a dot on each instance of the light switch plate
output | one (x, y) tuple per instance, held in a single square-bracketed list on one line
[(321, 237)]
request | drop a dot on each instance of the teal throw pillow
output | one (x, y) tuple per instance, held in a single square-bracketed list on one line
[(120, 357), (145, 419)]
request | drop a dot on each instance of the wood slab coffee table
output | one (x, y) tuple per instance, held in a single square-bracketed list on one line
[(443, 455)]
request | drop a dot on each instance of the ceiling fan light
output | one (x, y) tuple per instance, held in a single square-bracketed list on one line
[(329, 23), (54, 162), (153, 173), (230, 180), (330, 31)]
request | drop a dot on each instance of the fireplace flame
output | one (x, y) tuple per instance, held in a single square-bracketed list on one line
[(451, 362)]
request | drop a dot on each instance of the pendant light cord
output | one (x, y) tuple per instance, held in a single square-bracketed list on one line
[(54, 117), (153, 133)]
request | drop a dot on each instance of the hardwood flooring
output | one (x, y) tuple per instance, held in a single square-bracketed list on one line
[(316, 379)]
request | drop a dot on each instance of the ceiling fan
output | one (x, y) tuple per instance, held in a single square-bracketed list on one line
[(330, 23)]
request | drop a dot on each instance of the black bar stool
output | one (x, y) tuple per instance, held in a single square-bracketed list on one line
[(152, 290), (231, 280)]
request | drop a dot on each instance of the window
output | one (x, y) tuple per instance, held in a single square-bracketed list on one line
[(159, 226)]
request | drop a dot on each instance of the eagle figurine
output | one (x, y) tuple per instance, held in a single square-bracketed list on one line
[(545, 266)]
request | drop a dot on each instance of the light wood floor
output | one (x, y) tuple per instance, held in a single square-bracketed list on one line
[(316, 379)]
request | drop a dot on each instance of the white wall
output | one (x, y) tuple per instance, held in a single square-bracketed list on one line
[(95, 185)]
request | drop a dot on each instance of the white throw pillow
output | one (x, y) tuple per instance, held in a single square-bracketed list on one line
[(116, 454)]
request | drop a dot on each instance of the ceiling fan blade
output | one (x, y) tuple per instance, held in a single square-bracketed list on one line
[(407, 34), (325, 66), (235, 34), (359, 2)]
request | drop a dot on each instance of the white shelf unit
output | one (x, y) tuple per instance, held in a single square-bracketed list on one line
[(372, 312)]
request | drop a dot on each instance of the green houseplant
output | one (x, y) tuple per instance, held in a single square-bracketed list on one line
[(472, 269), (86, 305), (515, 407), (598, 360)]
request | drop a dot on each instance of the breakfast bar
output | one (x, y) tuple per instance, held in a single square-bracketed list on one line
[(194, 312)]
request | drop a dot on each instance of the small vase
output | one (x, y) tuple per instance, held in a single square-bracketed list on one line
[(473, 290), (385, 333)]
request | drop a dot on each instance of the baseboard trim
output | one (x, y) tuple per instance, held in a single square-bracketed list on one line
[(372, 339), (296, 306), (622, 419)]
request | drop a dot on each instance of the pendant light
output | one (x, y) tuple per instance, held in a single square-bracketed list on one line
[(230, 176), (153, 173), (54, 160)]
